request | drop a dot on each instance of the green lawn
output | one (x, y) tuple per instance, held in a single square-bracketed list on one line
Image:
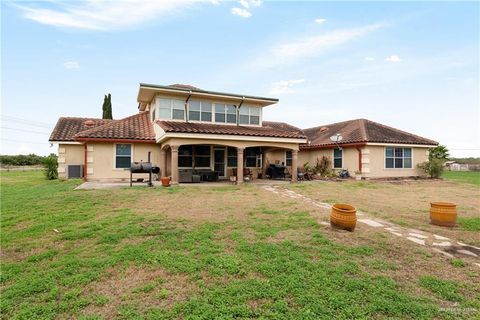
[(206, 253), (472, 177)]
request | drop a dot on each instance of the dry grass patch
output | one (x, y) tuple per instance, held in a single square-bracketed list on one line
[(403, 203)]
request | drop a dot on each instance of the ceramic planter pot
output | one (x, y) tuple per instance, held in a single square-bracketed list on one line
[(443, 214), (343, 216), (166, 181)]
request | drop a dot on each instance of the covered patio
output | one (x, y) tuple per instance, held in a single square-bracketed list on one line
[(202, 161)]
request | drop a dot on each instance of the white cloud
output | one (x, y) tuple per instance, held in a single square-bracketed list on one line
[(244, 3), (215, 2), (320, 20), (393, 58), (309, 46), (244, 13), (368, 59), (103, 15), (246, 6), (71, 65), (284, 86)]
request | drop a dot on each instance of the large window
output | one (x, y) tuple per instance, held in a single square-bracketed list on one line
[(194, 156), (202, 156), (185, 157), (231, 157), (398, 157), (288, 158), (172, 109), (123, 155), (225, 113), (253, 157), (249, 115), (337, 158), (199, 111)]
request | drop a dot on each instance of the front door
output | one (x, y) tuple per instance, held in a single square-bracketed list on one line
[(219, 161)]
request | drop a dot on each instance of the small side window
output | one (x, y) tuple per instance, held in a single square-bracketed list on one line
[(123, 155)]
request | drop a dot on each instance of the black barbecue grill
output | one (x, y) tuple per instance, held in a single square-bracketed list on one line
[(276, 171), (142, 168)]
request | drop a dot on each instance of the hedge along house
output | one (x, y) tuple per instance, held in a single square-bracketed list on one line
[(188, 130), (185, 129)]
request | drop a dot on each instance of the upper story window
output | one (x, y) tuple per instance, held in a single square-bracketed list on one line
[(225, 113), (337, 158), (398, 157), (249, 115), (171, 109), (199, 111)]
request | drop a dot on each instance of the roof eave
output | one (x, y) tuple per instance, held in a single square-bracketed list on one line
[(202, 93)]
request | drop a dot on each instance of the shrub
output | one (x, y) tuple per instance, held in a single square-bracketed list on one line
[(308, 168), (51, 167), (322, 167), (433, 168), (21, 160)]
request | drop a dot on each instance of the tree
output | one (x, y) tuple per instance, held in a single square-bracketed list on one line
[(439, 152), (107, 107), (436, 158), (51, 166)]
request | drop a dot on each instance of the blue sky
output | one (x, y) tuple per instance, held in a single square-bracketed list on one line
[(413, 66)]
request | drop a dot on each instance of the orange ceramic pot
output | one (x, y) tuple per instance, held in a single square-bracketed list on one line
[(166, 181), (443, 214), (343, 216)]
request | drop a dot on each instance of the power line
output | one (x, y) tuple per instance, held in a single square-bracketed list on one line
[(26, 121), (24, 130), (20, 141)]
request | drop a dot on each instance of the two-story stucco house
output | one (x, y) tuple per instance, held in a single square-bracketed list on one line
[(185, 128)]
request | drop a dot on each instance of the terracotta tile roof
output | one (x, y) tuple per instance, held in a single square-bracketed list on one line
[(136, 127), (269, 129), (67, 127), (361, 131)]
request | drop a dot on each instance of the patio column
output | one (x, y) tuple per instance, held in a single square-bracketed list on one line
[(163, 163), (240, 165), (294, 166), (174, 164)]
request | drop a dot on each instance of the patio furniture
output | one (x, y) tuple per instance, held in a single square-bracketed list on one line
[(276, 171), (247, 174)]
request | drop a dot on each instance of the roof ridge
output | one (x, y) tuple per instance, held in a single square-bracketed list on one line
[(106, 125), (86, 118), (330, 124), (363, 130)]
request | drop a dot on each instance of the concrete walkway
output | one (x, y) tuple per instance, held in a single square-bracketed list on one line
[(446, 246)]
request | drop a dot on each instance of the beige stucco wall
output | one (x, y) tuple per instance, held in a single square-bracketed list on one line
[(350, 158), (374, 162), (101, 161), (69, 154)]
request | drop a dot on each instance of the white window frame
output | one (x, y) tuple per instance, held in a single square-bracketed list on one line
[(291, 152), (333, 158), (403, 157), (115, 156), (200, 117), (225, 112), (171, 99), (250, 107)]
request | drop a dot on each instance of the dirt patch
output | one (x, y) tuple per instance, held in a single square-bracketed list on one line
[(149, 287)]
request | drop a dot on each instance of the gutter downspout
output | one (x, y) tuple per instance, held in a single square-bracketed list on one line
[(186, 106), (85, 162), (238, 110), (359, 159)]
